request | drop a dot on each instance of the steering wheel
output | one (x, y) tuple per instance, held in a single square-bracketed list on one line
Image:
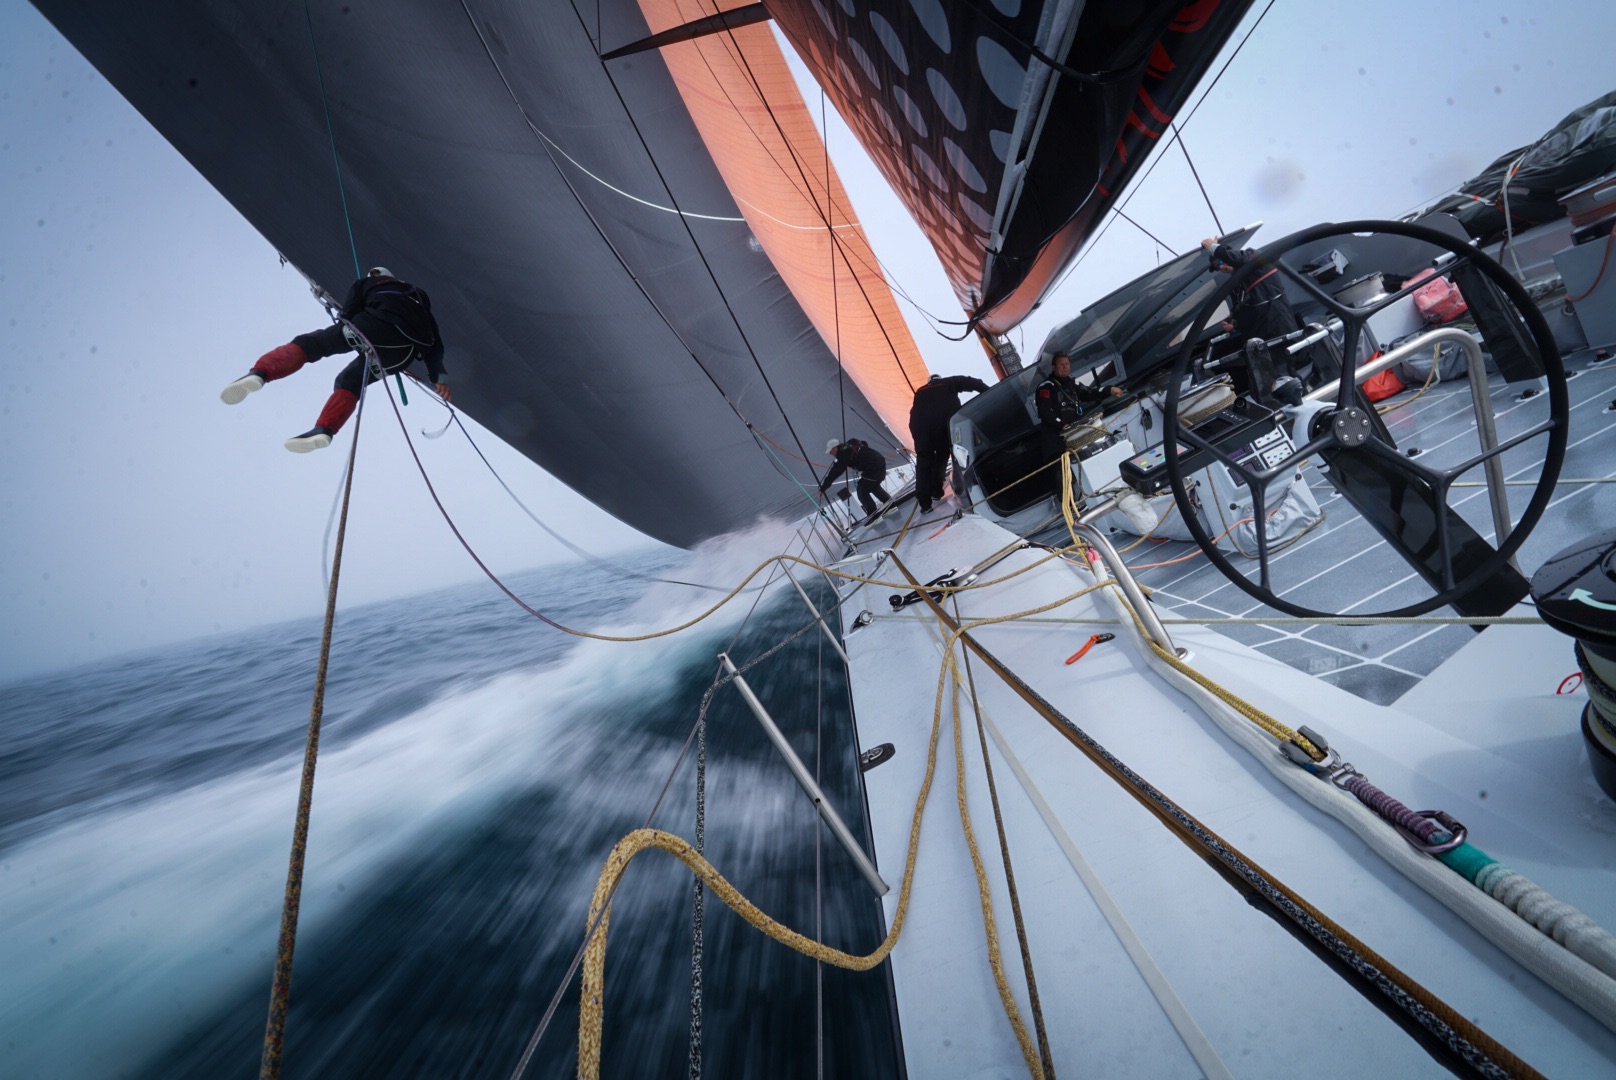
[(1346, 427)]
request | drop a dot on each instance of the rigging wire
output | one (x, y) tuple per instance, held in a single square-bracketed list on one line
[(1138, 185), (1182, 145), (599, 229), (342, 192), (807, 185), (587, 556), (835, 295), (696, 245), (1146, 231)]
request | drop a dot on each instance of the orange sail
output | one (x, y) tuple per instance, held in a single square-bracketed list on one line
[(741, 95)]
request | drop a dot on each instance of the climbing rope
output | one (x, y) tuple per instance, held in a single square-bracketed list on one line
[(280, 988)]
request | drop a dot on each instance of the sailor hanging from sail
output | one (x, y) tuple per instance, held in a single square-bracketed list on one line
[(872, 468), (1061, 400), (935, 403), (393, 315)]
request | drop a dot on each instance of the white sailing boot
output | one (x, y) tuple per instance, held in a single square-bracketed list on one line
[(317, 438), (236, 391)]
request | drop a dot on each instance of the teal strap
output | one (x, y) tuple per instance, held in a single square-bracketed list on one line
[(783, 467), (1467, 860), (399, 375)]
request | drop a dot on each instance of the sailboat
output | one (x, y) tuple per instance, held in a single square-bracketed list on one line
[(661, 260)]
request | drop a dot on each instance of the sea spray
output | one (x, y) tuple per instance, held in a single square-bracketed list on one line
[(477, 769)]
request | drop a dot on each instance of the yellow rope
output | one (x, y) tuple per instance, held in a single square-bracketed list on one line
[(1029, 1052), (1239, 704), (592, 1003), (1244, 708)]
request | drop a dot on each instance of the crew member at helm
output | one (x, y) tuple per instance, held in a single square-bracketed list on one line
[(935, 403), (1260, 307), (867, 460), (1061, 401), (394, 316)]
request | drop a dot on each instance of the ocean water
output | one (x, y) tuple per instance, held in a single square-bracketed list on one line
[(475, 768)]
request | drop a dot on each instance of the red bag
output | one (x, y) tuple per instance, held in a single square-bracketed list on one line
[(1381, 386), (1438, 300)]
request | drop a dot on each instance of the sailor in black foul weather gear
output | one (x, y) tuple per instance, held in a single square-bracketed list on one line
[(935, 403), (1260, 307), (872, 468), (1061, 401), (393, 315)]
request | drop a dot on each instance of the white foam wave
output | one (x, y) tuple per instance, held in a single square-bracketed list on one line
[(117, 928)]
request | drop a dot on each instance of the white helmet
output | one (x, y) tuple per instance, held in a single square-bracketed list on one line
[(830, 447), (378, 271)]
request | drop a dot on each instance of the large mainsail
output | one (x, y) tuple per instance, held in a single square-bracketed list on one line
[(606, 308), (650, 281)]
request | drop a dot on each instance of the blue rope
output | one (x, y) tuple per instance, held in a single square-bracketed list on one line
[(784, 469)]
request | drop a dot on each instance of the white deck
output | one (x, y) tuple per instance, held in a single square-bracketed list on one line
[(1511, 767)]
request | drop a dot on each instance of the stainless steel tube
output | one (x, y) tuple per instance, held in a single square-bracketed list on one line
[(806, 780)]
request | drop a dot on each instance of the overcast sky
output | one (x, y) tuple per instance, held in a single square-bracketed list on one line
[(135, 509)]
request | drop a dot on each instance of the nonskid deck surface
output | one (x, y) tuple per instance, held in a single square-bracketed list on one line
[(1342, 566), (1235, 972)]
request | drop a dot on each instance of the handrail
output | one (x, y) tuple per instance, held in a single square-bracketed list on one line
[(794, 763), (1085, 530), (1481, 401)]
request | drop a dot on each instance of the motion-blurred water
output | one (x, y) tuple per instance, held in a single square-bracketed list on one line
[(475, 768)]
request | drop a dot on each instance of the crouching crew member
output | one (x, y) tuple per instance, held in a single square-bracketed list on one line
[(871, 466)]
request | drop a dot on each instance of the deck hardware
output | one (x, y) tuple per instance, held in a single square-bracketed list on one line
[(934, 589), (1094, 639), (1330, 766), (865, 618), (806, 780), (1121, 574), (1457, 833), (876, 755)]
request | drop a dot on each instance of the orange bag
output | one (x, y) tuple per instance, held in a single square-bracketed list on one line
[(1438, 300), (1383, 385)]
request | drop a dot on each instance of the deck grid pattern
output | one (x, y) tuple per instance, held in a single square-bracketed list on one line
[(1343, 566)]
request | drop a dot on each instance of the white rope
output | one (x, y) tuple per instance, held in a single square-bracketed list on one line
[(1178, 1014), (1575, 978)]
